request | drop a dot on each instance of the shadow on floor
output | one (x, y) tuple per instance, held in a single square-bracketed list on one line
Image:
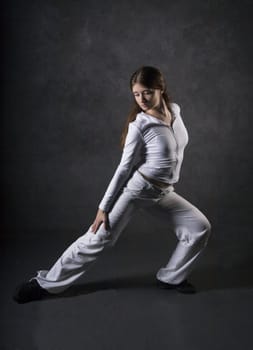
[(127, 282), (205, 280)]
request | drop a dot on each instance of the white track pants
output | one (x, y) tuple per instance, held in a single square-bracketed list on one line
[(191, 227)]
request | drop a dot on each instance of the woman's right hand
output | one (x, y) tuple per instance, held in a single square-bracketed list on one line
[(101, 217)]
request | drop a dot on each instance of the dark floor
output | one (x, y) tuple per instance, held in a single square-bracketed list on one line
[(118, 306)]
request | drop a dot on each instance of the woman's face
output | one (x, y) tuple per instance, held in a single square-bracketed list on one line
[(146, 98)]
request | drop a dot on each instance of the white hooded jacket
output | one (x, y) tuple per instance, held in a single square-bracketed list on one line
[(153, 148)]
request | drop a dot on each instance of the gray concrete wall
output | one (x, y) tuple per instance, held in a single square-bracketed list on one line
[(66, 74)]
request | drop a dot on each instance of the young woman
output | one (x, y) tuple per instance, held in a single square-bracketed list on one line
[(153, 144)]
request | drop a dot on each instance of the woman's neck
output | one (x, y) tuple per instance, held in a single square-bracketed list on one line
[(162, 114)]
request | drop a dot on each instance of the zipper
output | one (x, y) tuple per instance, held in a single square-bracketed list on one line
[(170, 128), (177, 147)]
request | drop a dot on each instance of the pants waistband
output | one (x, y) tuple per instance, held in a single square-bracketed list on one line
[(161, 186)]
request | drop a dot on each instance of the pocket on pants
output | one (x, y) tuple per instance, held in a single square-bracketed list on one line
[(137, 183), (141, 188)]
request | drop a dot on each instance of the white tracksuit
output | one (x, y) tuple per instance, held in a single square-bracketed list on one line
[(156, 150)]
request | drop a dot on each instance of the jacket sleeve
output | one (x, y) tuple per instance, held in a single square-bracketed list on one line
[(130, 154)]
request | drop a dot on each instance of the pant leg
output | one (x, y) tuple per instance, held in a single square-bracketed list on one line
[(82, 253), (192, 229)]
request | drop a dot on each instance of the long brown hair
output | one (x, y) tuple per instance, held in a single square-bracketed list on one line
[(151, 78)]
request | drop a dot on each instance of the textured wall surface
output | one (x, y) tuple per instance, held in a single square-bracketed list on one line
[(66, 95)]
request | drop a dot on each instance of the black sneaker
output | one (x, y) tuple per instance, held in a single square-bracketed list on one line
[(183, 287), (29, 291)]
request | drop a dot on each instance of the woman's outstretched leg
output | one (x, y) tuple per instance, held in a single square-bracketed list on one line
[(74, 261), (81, 254)]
